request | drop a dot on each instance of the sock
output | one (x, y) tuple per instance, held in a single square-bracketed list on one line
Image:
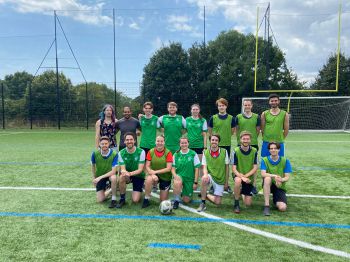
[(122, 196), (203, 201), (177, 198), (147, 197), (114, 197), (236, 202)]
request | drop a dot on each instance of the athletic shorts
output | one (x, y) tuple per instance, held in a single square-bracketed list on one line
[(187, 188), (199, 150), (137, 183), (102, 184), (246, 189), (218, 189), (164, 185), (278, 194), (145, 149), (228, 149), (266, 152)]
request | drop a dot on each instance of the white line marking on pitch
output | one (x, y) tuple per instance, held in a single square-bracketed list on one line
[(93, 189), (267, 234)]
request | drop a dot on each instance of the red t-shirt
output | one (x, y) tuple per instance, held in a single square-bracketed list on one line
[(169, 157)]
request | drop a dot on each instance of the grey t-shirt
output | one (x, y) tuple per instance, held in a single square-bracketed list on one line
[(127, 125)]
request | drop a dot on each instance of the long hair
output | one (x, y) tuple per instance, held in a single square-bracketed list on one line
[(197, 105), (102, 113)]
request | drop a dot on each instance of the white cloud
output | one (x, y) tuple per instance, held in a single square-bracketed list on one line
[(181, 23), (89, 14), (134, 25)]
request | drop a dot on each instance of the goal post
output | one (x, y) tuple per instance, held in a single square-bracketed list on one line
[(331, 113)]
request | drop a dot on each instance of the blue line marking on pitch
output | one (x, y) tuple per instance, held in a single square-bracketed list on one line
[(44, 163), (174, 218), (178, 246)]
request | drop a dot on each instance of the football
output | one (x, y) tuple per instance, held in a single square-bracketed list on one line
[(165, 207)]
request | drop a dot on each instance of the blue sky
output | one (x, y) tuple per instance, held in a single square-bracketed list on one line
[(305, 30)]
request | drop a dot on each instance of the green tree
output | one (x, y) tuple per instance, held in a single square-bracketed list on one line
[(326, 78), (16, 84), (167, 78), (44, 97)]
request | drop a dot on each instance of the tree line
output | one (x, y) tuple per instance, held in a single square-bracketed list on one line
[(224, 67)]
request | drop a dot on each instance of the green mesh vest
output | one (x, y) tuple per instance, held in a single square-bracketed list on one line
[(216, 166), (103, 165), (247, 124), (245, 162), (158, 163), (223, 128), (277, 170), (273, 130)]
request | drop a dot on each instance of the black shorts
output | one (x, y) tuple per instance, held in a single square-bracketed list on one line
[(164, 185), (198, 150), (246, 188), (145, 149), (228, 149), (137, 183), (278, 195), (102, 184)]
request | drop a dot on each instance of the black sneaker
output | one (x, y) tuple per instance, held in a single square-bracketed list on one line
[(176, 204), (266, 210), (229, 190), (113, 204), (120, 203), (145, 203), (236, 209), (254, 191)]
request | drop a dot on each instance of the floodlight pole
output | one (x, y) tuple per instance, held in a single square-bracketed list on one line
[(115, 73), (30, 105), (267, 50), (204, 41), (3, 105), (57, 82)]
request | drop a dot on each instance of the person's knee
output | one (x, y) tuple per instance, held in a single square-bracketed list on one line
[(248, 201), (113, 179), (186, 199), (238, 181), (100, 198), (205, 180), (267, 181), (217, 200), (282, 207)]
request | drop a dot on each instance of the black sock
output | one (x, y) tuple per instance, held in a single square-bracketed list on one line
[(203, 201), (236, 202), (122, 196)]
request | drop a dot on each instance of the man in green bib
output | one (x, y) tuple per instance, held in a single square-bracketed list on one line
[(244, 166), (274, 125), (215, 164), (131, 162), (173, 126), (275, 171), (104, 162)]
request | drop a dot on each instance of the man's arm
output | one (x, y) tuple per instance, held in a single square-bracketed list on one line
[(138, 171), (286, 125), (93, 171), (262, 123), (97, 133)]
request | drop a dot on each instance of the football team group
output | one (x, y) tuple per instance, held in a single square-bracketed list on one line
[(175, 152)]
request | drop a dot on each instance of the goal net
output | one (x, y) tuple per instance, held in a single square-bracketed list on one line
[(311, 113)]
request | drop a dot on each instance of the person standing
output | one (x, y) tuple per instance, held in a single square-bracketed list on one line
[(275, 171), (274, 125), (106, 126), (185, 172), (222, 124), (131, 162), (127, 124), (173, 126), (197, 129), (215, 163), (244, 166), (149, 125)]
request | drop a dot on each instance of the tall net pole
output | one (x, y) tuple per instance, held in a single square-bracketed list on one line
[(57, 82), (115, 73)]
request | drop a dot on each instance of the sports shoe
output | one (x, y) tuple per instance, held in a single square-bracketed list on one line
[(145, 203), (120, 203), (229, 190), (155, 189), (254, 191), (113, 204), (266, 210), (176, 204), (236, 209), (202, 207)]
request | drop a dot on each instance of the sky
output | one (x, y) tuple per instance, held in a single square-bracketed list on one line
[(305, 30)]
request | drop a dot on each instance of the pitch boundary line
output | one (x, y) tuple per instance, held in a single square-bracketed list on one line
[(93, 189), (267, 234)]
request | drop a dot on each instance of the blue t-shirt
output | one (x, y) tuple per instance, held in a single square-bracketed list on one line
[(115, 159), (287, 168)]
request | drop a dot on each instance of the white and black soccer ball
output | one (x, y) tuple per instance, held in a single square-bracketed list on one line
[(166, 207)]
